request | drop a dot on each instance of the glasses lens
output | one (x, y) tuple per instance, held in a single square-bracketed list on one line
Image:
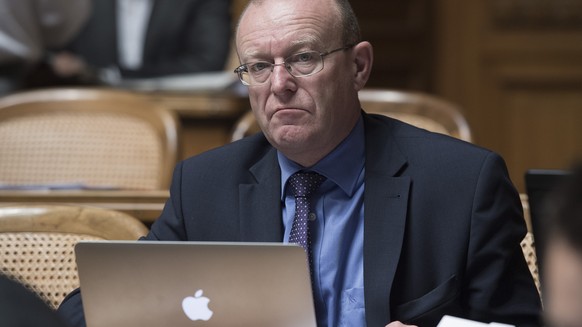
[(304, 63), (241, 71), (299, 65), (259, 72)]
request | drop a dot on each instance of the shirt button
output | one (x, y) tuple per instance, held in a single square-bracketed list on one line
[(312, 216)]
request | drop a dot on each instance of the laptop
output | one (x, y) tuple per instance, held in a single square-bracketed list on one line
[(540, 183), (191, 284)]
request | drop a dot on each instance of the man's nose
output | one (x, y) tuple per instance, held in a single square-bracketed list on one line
[(281, 79)]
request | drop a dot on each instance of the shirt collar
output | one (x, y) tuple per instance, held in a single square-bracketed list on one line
[(350, 153)]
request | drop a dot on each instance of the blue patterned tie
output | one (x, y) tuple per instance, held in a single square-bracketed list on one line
[(303, 185)]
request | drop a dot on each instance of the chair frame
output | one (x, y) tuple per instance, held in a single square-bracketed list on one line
[(389, 102)]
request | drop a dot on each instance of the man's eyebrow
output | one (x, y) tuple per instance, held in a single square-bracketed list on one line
[(249, 53), (307, 40)]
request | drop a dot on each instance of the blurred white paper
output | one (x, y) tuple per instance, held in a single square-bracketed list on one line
[(450, 321), (212, 81)]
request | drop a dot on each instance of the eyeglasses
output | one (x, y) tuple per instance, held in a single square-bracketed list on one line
[(298, 65)]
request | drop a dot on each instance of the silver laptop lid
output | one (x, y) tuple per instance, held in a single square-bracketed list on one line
[(194, 284)]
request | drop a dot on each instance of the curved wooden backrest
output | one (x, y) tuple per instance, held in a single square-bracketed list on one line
[(421, 110), (94, 137), (418, 109), (37, 243)]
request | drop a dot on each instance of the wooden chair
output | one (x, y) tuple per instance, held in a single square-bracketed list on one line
[(37, 243), (93, 137), (421, 110), (418, 109)]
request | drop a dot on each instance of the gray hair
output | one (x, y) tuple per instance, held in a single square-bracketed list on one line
[(349, 23)]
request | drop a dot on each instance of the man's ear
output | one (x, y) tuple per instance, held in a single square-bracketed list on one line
[(363, 59)]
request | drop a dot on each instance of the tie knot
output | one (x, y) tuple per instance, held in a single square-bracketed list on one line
[(303, 184)]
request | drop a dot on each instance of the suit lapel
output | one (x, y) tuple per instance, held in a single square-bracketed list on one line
[(260, 202), (385, 209)]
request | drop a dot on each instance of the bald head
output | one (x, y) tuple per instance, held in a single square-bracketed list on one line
[(347, 21), (307, 116)]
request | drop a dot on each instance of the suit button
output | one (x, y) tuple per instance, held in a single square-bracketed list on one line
[(312, 216)]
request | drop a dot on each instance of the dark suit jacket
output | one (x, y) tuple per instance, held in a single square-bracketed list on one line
[(442, 222), (183, 36)]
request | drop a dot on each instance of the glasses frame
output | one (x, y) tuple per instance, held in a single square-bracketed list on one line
[(240, 70)]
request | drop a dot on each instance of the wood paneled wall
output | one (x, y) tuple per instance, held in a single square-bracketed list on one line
[(513, 66), (402, 35), (516, 69)]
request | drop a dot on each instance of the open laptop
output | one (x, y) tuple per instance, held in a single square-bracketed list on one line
[(539, 184), (193, 284)]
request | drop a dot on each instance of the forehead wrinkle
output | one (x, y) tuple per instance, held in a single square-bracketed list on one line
[(285, 30), (305, 40), (308, 40)]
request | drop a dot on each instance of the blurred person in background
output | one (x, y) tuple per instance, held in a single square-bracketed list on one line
[(20, 307), (562, 271), (148, 38), (28, 28)]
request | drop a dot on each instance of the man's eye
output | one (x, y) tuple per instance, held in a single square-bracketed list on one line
[(303, 57), (259, 67)]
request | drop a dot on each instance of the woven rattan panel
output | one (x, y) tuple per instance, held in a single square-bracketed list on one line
[(43, 262), (528, 248), (92, 148)]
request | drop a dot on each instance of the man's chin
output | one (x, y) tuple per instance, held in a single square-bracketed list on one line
[(290, 135), (290, 139)]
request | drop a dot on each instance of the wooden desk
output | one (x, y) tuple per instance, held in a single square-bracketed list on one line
[(144, 205), (207, 118)]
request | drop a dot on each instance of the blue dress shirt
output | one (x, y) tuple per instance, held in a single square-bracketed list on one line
[(337, 233)]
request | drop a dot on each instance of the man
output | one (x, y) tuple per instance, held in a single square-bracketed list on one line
[(406, 226), (562, 287)]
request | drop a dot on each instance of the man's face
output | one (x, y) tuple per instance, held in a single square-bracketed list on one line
[(562, 288), (304, 117)]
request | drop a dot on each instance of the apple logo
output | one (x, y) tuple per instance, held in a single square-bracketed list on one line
[(196, 307)]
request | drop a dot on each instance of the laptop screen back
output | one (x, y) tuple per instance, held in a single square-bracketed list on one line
[(539, 185), (194, 284)]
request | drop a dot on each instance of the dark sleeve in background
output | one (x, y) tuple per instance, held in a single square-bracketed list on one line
[(19, 307), (193, 38), (183, 37)]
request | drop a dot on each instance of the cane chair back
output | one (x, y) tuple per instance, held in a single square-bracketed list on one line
[(96, 138), (37, 243), (528, 244)]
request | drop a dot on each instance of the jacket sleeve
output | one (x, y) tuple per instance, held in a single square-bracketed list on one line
[(71, 310), (499, 286)]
